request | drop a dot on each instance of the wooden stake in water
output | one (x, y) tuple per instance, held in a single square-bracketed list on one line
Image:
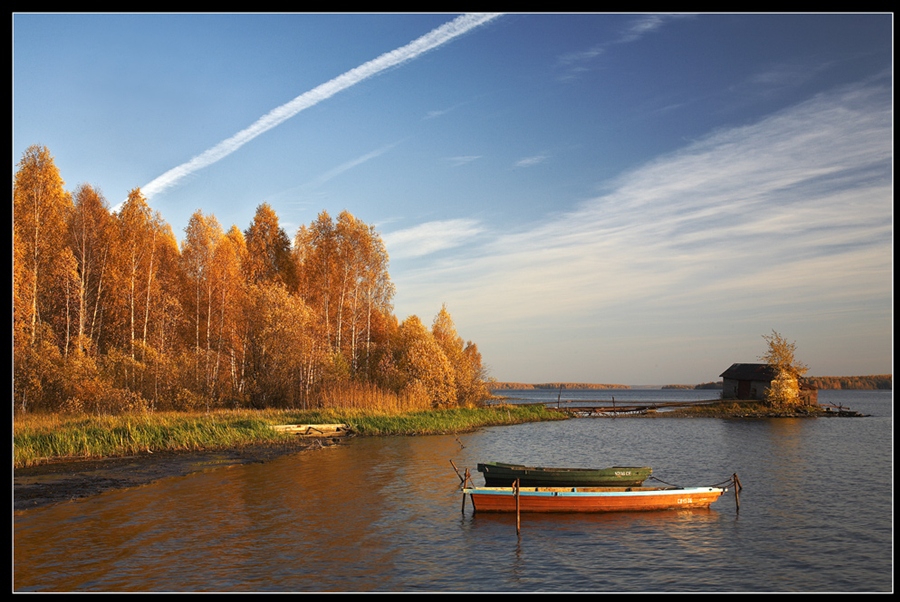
[(737, 492), (516, 492), (465, 482)]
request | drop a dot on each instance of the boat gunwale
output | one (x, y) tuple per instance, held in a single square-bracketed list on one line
[(516, 468), (592, 491)]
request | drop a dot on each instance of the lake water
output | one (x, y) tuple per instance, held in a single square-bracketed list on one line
[(386, 515)]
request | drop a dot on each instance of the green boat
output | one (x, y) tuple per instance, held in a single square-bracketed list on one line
[(497, 474)]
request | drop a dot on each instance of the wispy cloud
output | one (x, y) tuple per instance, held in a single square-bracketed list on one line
[(641, 27), (462, 159), (575, 58), (777, 78), (574, 63), (333, 173), (434, 114), (531, 161), (787, 218), (430, 237), (434, 39)]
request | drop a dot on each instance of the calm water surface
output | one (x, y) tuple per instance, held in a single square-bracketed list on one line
[(386, 514)]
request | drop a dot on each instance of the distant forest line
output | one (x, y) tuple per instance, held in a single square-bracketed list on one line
[(498, 386), (875, 381), (870, 382)]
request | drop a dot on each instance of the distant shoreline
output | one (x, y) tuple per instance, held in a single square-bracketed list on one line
[(508, 386), (498, 386), (856, 383)]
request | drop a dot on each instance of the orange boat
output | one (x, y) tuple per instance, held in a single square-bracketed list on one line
[(590, 499)]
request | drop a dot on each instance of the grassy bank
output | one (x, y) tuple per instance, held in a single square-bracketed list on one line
[(53, 437), (744, 409), (41, 438)]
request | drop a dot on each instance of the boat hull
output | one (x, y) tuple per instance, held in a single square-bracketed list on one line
[(591, 499), (504, 475)]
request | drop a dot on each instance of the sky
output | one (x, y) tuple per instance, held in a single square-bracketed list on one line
[(619, 198)]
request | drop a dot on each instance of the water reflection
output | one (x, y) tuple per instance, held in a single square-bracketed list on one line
[(385, 514)]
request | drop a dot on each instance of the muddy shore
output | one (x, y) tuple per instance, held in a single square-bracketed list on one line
[(68, 480)]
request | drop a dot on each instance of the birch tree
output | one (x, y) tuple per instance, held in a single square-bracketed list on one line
[(464, 359), (227, 309), (315, 255), (41, 209), (343, 276), (90, 236), (202, 235), (279, 347), (268, 257), (42, 273), (146, 285), (421, 362)]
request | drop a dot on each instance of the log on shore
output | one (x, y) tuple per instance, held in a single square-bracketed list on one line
[(316, 430)]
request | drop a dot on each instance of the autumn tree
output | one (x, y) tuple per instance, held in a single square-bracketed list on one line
[(41, 208), (112, 314), (227, 310), (163, 316), (315, 255), (377, 293), (464, 358), (146, 310), (419, 363), (91, 232), (785, 387), (26, 382), (202, 236), (85, 386), (43, 273), (214, 298), (268, 257), (134, 263), (342, 274), (281, 350)]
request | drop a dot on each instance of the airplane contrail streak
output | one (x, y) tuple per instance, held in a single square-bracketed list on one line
[(433, 39)]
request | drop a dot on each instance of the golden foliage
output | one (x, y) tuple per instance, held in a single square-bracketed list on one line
[(111, 315), (784, 389)]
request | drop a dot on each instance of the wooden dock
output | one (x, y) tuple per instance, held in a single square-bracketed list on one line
[(607, 409)]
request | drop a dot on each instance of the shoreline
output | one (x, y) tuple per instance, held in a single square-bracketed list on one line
[(72, 479), (68, 479)]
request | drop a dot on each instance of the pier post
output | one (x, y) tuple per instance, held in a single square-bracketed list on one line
[(465, 483), (516, 492)]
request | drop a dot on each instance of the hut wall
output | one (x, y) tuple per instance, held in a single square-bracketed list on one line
[(742, 389)]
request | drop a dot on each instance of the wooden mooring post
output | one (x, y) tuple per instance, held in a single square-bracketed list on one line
[(465, 481), (737, 492), (516, 492)]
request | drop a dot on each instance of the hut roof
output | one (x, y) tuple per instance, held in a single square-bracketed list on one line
[(762, 372)]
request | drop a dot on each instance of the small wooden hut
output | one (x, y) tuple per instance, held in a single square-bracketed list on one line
[(752, 382), (747, 381)]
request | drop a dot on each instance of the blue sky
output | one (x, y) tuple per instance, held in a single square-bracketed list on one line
[(616, 198)]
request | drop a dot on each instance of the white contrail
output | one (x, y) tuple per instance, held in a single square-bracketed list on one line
[(414, 49)]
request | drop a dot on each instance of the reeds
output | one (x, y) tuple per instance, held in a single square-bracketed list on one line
[(39, 438), (368, 397)]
